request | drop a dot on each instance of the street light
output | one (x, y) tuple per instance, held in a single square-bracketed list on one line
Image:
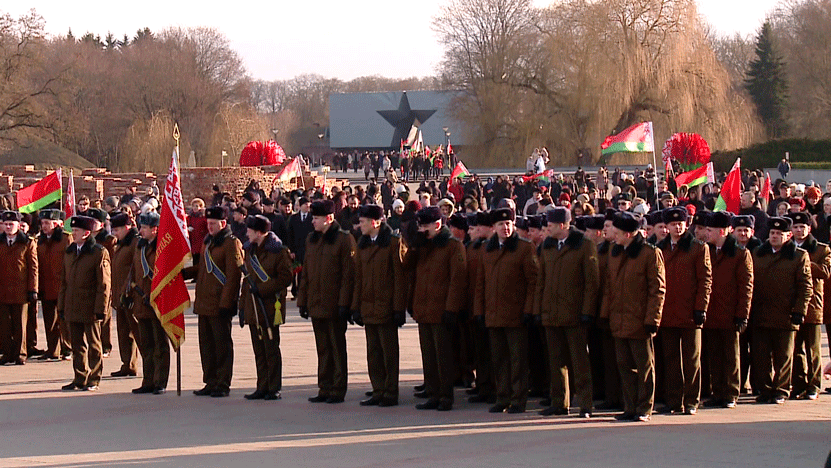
[(275, 131)]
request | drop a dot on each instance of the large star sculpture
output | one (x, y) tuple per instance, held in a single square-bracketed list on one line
[(403, 118)]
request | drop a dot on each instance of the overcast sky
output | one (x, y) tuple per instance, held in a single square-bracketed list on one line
[(333, 38)]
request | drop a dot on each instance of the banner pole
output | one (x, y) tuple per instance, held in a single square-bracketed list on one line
[(178, 371)]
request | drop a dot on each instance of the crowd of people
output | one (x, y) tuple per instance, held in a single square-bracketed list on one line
[(405, 165), (567, 289)]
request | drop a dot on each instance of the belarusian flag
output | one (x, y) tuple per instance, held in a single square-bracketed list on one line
[(36, 196), (169, 295), (636, 139), (699, 176), (545, 175), (289, 172), (458, 172), (731, 192), (69, 204)]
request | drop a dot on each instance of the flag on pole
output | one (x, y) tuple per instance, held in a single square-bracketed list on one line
[(458, 172), (69, 203), (636, 139), (169, 295), (766, 187), (41, 193), (291, 171), (544, 175), (731, 192), (702, 175)]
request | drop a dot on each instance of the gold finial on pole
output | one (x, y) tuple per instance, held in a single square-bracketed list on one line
[(176, 134)]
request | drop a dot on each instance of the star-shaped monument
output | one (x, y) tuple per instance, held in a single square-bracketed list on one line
[(403, 118)]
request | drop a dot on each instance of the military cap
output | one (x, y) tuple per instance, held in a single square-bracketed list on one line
[(483, 218), (26, 218), (322, 208), (521, 223), (580, 222), (719, 219), (626, 196), (11, 216), (55, 215), (268, 202), (800, 218), (503, 214), (654, 218), (150, 219), (82, 222), (258, 223), (744, 221), (458, 221), (626, 221), (428, 214), (595, 222), (98, 214), (610, 214), (779, 223), (302, 201), (675, 213), (120, 220), (472, 220), (535, 221), (216, 212), (370, 211), (252, 197), (558, 215)]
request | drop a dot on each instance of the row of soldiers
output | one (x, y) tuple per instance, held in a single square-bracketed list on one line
[(496, 291)]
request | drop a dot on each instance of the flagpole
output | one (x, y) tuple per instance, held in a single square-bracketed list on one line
[(176, 136)]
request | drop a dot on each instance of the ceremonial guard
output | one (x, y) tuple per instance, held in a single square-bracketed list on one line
[(633, 298), (605, 361), (125, 322), (52, 244), (566, 305), (438, 263), (83, 300), (782, 291), (689, 279), (727, 311), (379, 301), (807, 364), (19, 270), (108, 241), (325, 295), (153, 342), (267, 275), (217, 294), (744, 230), (505, 289), (481, 229)]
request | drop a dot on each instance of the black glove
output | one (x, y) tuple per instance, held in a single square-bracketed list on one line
[(463, 315), (226, 312), (603, 322), (528, 320), (448, 319), (253, 289), (651, 329), (410, 311), (304, 312), (480, 320), (586, 320), (32, 296), (357, 319), (537, 321), (242, 319), (60, 314), (797, 319), (345, 314), (699, 316), (99, 317), (126, 301), (399, 318), (741, 324)]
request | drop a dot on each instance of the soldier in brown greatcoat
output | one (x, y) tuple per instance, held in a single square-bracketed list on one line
[(438, 263), (565, 303), (689, 280), (727, 311), (325, 295), (83, 300), (807, 365), (108, 241), (52, 244), (782, 291), (379, 302), (633, 298), (505, 289), (19, 285), (125, 322), (217, 294), (263, 306), (153, 341), (605, 357), (480, 231)]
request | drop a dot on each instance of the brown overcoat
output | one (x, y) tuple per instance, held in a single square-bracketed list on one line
[(782, 285), (143, 283), (327, 279), (272, 280), (85, 282), (122, 263), (506, 282), (820, 256), (211, 294), (568, 281), (473, 253), (440, 268), (50, 263), (689, 280), (379, 277), (633, 295), (18, 268), (732, 285)]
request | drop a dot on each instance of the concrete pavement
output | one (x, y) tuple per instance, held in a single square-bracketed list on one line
[(43, 426)]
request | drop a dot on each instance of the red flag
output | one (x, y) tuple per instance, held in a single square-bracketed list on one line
[(69, 204), (449, 148), (766, 188), (41, 193), (169, 295), (730, 198), (289, 172)]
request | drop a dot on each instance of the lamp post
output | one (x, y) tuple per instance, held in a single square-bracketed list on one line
[(274, 132)]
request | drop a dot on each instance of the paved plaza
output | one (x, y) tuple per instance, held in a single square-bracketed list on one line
[(43, 426)]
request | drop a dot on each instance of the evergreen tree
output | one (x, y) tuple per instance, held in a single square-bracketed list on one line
[(767, 84)]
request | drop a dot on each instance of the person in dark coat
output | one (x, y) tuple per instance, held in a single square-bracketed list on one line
[(299, 226)]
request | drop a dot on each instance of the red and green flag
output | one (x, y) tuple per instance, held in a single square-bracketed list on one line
[(701, 175), (458, 172), (544, 176), (636, 139), (40, 194), (731, 192)]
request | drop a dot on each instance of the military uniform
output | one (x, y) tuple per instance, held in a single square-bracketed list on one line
[(50, 251), (566, 300), (485, 386), (325, 291), (83, 299), (19, 273), (125, 322), (108, 241), (380, 296), (153, 342), (268, 265)]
